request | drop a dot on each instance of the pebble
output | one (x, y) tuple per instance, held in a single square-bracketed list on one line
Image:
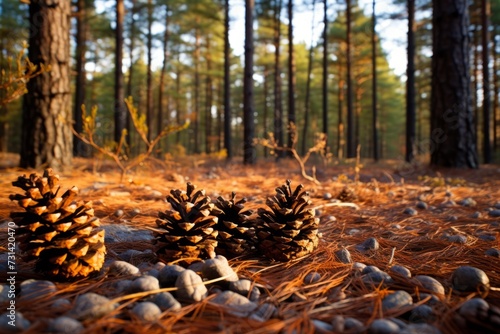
[(125, 233), (495, 252), (118, 213), (494, 213), (61, 304), (343, 255), (33, 289), (168, 275), (383, 326), (497, 205), (122, 285), (420, 329), (457, 238), (429, 283), (353, 231), (349, 325), (65, 325), (153, 272), (122, 268), (452, 218), (91, 306), (327, 196), (190, 286), (433, 301), (369, 269), (218, 267), (410, 211), (21, 322), (487, 237), (321, 326), (477, 215), (135, 211), (129, 255), (312, 278), (474, 309), (115, 193), (358, 266), (370, 244), (264, 312), (146, 311), (397, 299), (422, 205), (470, 279), (165, 301), (235, 303), (144, 283), (448, 204), (391, 194), (378, 277), (329, 219), (245, 287), (196, 266), (422, 314), (154, 194), (468, 202), (401, 270)]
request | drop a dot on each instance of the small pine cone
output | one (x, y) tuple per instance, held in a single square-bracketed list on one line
[(289, 230), (61, 234), (236, 231), (187, 230), (347, 195)]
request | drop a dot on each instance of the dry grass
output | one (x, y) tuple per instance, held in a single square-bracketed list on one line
[(382, 197)]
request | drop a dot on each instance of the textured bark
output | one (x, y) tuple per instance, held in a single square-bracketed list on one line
[(248, 103), (375, 127), (325, 69), (149, 75), (46, 137), (278, 106), (265, 129), (340, 130), (209, 92), (496, 90), (485, 19), (410, 85), (452, 122), (161, 88), (291, 74), (227, 85), (351, 133), (80, 148), (128, 123), (120, 110), (196, 102)]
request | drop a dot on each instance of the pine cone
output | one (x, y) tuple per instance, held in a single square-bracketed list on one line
[(289, 230), (187, 230), (57, 231), (347, 195), (236, 232)]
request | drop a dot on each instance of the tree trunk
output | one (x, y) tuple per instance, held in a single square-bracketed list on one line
[(248, 108), (351, 133), (163, 71), (496, 91), (278, 107), (265, 129), (80, 148), (376, 152), (452, 120), (340, 130), (120, 109), (128, 123), (46, 138), (196, 102), (291, 74), (149, 77), (178, 107), (208, 100), (227, 85), (410, 85), (485, 18), (325, 70)]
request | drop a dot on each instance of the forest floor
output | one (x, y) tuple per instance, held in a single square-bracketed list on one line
[(423, 242)]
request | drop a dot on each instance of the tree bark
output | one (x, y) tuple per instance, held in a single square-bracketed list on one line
[(278, 106), (149, 76), (163, 71), (325, 70), (227, 85), (375, 128), (128, 123), (485, 18), (496, 90), (80, 148), (196, 102), (452, 120), (248, 107), (120, 109), (46, 137), (340, 130), (291, 75), (265, 129), (209, 91), (410, 85), (351, 133)]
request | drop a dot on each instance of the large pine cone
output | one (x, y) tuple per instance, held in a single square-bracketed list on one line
[(187, 230), (61, 234), (236, 231), (289, 230)]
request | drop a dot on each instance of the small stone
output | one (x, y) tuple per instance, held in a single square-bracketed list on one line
[(353, 231), (383, 326), (369, 269), (494, 213), (65, 325), (166, 301), (312, 278), (448, 204), (477, 215), (452, 218), (353, 325), (422, 314), (122, 285), (144, 283), (235, 303), (321, 326), (91, 306), (153, 272), (474, 309), (470, 279), (493, 252), (433, 300), (190, 286), (329, 219), (401, 270), (61, 304), (468, 202), (118, 213), (397, 299), (119, 193), (358, 266), (245, 287), (410, 211), (169, 274), (378, 277), (487, 237), (122, 268), (496, 205), (327, 196), (146, 311), (196, 266), (22, 324), (265, 312), (217, 268), (134, 212), (429, 283), (457, 238), (422, 205), (391, 194), (129, 255), (343, 255), (34, 289), (155, 194), (159, 266), (370, 244), (419, 328)]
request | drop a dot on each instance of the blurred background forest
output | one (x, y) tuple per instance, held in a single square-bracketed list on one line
[(172, 56)]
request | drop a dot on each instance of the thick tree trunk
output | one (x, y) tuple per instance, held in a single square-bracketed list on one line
[(376, 151), (496, 90), (149, 76), (178, 106), (248, 107), (196, 102), (410, 85), (120, 109), (452, 120), (278, 106), (351, 132), (128, 123), (291, 74), (308, 89), (227, 85), (209, 91), (265, 129), (325, 69), (163, 73), (46, 138), (485, 18), (80, 148), (340, 130)]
